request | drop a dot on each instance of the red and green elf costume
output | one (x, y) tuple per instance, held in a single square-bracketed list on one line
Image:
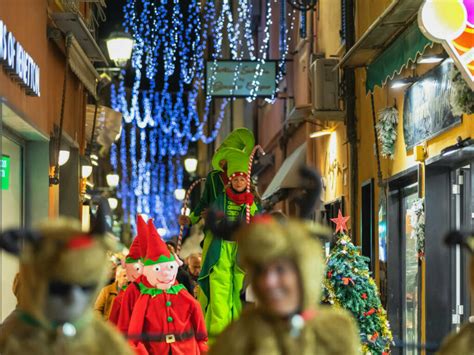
[(166, 319), (123, 304)]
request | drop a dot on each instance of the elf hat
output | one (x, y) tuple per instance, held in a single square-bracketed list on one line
[(157, 251), (138, 248), (237, 162), (240, 138)]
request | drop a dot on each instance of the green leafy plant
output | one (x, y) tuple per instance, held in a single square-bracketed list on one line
[(387, 130), (462, 97)]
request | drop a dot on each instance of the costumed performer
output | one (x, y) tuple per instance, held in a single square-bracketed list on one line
[(166, 319), (221, 279), (123, 304), (62, 268), (285, 266)]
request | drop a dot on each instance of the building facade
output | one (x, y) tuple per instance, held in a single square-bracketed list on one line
[(34, 95), (401, 206)]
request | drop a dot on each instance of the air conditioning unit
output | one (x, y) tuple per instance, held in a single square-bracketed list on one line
[(325, 84)]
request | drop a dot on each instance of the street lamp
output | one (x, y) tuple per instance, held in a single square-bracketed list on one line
[(119, 46), (63, 157), (190, 164), (86, 168), (113, 203), (180, 194), (113, 179)]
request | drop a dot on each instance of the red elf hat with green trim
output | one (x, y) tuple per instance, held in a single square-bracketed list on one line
[(138, 248), (157, 251)]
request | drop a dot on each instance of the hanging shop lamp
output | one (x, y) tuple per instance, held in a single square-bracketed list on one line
[(113, 179), (119, 47)]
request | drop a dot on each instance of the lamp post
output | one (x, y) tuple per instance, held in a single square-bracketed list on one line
[(119, 47)]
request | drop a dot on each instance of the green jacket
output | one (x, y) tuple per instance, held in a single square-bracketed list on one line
[(212, 188), (212, 244)]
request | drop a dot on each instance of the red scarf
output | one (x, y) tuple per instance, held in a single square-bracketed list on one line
[(239, 198)]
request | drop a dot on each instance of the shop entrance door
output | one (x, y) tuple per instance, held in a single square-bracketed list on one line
[(449, 206), (403, 272)]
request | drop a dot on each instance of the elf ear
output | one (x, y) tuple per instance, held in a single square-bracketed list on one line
[(99, 225), (12, 240), (311, 184)]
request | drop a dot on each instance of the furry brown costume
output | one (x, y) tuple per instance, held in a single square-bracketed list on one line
[(59, 259), (258, 331)]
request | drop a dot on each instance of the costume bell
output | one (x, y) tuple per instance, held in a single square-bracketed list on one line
[(166, 319)]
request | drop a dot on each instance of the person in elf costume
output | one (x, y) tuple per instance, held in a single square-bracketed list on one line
[(123, 304), (216, 181), (62, 268), (166, 319), (285, 264), (221, 278)]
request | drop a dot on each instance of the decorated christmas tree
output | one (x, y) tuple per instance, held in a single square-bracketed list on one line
[(348, 284)]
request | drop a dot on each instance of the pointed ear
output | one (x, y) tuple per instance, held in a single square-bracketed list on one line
[(99, 223), (12, 240), (311, 183)]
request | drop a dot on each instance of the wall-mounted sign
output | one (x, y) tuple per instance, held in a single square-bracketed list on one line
[(451, 22), (5, 171), (426, 109), (18, 63), (239, 78)]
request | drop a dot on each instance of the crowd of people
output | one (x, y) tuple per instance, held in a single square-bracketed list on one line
[(255, 288)]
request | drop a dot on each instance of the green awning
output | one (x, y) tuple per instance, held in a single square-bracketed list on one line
[(404, 49)]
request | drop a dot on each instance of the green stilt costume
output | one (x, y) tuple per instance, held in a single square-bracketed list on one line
[(221, 279)]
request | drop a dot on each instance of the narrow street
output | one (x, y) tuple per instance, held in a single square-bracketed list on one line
[(237, 177)]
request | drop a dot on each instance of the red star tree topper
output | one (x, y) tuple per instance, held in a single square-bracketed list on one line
[(340, 222)]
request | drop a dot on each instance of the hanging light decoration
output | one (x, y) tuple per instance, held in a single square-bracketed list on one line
[(303, 6), (169, 41)]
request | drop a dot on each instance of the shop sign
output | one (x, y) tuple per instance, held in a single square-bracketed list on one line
[(426, 109), (18, 63), (451, 23), (5, 171), (229, 78)]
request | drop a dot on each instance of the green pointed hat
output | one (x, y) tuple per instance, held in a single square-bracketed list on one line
[(237, 160), (241, 139)]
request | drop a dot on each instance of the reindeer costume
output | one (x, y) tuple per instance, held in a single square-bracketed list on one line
[(62, 269)]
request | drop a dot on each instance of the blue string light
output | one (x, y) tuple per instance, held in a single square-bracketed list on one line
[(159, 125)]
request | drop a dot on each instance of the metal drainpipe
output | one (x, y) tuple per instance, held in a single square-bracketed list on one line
[(350, 99)]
